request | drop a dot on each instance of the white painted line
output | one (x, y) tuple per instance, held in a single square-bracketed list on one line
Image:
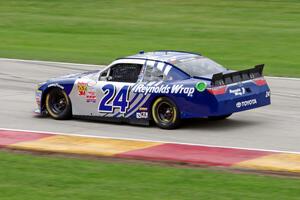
[(285, 95), (78, 64), (283, 78), (144, 140), (49, 62)]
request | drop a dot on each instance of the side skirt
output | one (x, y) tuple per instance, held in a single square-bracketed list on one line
[(143, 122)]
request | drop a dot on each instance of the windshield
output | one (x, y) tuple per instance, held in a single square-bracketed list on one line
[(199, 66)]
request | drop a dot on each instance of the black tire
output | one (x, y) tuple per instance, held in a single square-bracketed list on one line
[(165, 113), (221, 117), (58, 104)]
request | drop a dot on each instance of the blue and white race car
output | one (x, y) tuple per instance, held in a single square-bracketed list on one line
[(163, 86)]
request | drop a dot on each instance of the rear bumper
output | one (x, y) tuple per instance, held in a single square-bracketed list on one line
[(228, 106), (217, 105)]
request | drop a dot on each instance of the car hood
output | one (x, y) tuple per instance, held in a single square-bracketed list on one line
[(66, 82), (72, 76)]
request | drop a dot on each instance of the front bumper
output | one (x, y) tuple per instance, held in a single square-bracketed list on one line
[(38, 98), (37, 111)]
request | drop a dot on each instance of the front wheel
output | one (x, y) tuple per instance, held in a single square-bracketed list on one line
[(165, 113), (58, 104)]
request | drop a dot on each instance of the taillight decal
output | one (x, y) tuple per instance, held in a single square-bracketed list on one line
[(217, 90), (260, 82)]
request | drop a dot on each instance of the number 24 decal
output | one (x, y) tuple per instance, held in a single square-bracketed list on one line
[(112, 100)]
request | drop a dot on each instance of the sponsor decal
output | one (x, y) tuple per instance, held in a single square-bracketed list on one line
[(56, 85), (268, 94), (142, 115), (238, 91), (143, 109), (201, 86), (92, 83), (164, 89), (246, 103), (91, 97), (82, 88)]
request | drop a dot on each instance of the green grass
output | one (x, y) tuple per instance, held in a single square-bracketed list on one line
[(237, 34), (40, 177)]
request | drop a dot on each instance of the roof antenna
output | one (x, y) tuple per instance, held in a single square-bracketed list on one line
[(142, 52)]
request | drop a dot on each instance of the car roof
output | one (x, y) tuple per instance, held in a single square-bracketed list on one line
[(163, 55)]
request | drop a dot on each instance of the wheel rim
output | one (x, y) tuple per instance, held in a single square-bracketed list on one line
[(165, 112), (58, 102)]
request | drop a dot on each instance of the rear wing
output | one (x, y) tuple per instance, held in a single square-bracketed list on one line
[(238, 76)]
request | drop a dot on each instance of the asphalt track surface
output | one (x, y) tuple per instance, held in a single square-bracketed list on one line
[(275, 127)]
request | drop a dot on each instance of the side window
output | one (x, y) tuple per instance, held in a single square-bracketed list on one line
[(154, 71), (124, 72)]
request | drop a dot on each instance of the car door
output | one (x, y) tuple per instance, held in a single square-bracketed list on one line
[(114, 87)]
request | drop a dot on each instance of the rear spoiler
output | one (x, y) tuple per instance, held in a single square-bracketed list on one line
[(238, 76)]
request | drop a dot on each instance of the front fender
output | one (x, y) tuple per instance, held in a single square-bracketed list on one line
[(66, 85)]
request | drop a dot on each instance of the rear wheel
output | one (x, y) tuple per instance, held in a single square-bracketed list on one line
[(58, 104), (165, 113)]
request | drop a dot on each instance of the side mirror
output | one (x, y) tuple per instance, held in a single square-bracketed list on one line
[(102, 78), (109, 78)]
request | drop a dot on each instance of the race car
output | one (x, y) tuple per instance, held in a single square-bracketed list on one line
[(162, 86)]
